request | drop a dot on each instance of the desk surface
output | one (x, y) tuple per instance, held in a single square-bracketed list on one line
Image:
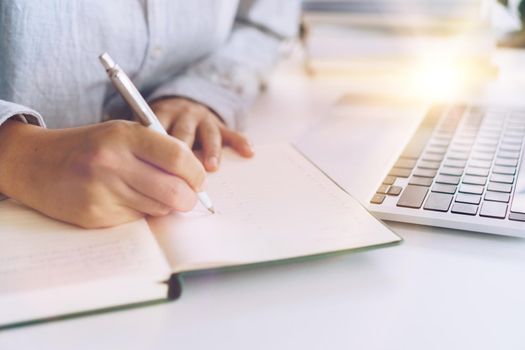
[(440, 289)]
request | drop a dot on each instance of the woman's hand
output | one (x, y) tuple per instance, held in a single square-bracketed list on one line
[(198, 126), (99, 175)]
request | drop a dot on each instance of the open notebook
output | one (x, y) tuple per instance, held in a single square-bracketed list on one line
[(272, 207)]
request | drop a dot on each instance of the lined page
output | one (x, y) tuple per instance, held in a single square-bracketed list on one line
[(274, 206), (40, 253)]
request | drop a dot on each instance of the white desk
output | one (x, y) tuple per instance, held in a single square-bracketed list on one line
[(440, 289)]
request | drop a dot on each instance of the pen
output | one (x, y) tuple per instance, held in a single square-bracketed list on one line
[(141, 108)]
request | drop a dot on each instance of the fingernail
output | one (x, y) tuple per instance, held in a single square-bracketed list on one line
[(213, 162)]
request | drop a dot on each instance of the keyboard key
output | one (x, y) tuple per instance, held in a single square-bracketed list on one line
[(495, 114), (456, 112), (412, 196), (485, 149), (382, 189), (463, 208), (467, 133), (504, 170), (474, 180), (517, 116), (394, 190), (476, 163), (457, 155), (438, 201), (389, 180), (436, 149), (497, 196), (428, 165), (508, 154), (493, 210), (482, 156), (516, 129), (459, 148), (447, 179), (442, 135), (487, 141), (490, 134), (477, 171), (517, 216), (506, 179), (420, 181), (512, 162), (464, 141), (450, 189), (455, 163), (499, 187), (511, 140), (431, 157), (399, 172), (378, 198), (513, 134), (468, 198), (511, 148), (451, 171), (424, 172), (405, 163), (472, 189)]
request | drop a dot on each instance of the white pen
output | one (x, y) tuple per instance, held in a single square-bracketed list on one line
[(141, 108)]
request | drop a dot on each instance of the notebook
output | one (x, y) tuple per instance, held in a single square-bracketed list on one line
[(275, 206)]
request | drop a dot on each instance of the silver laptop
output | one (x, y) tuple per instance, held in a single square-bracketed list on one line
[(461, 169)]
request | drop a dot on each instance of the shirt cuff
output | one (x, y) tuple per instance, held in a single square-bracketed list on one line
[(22, 113), (221, 100)]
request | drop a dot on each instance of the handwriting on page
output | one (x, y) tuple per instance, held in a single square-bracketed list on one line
[(278, 194), (276, 205)]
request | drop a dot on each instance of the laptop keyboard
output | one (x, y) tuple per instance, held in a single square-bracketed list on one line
[(462, 160)]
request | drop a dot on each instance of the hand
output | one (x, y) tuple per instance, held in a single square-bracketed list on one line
[(196, 125), (99, 175)]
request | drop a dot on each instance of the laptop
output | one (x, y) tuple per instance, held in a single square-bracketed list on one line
[(462, 169)]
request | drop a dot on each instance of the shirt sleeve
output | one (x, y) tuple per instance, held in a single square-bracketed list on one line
[(229, 80), (24, 114)]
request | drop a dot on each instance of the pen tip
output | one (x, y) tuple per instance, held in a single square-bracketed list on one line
[(211, 210)]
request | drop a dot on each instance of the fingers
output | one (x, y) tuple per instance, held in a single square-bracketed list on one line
[(237, 141), (185, 129), (211, 142), (164, 192), (144, 204), (169, 154)]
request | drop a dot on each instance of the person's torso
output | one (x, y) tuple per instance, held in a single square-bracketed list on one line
[(49, 49)]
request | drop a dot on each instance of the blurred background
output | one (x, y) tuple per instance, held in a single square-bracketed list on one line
[(434, 49)]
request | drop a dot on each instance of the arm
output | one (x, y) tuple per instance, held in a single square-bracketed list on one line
[(95, 176), (228, 81)]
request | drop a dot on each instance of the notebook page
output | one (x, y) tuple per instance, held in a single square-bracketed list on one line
[(40, 253), (274, 206)]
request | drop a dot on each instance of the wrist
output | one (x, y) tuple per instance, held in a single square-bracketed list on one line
[(16, 145)]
